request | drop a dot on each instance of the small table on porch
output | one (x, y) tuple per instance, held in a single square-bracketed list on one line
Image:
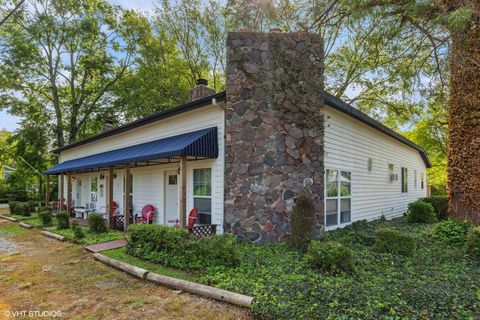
[(81, 211)]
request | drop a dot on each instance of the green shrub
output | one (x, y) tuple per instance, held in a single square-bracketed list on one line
[(452, 231), (12, 206), (78, 234), (392, 241), (473, 242), (176, 247), (440, 206), (330, 257), (420, 212), (46, 217), (63, 221), (217, 250), (20, 208), (32, 204), (301, 224), (96, 223)]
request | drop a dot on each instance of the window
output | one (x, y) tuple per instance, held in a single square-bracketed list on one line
[(421, 180), (391, 174), (172, 179), (202, 194), (415, 178), (93, 189), (338, 197), (404, 180)]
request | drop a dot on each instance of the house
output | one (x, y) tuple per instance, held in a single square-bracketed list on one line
[(242, 156), (5, 171)]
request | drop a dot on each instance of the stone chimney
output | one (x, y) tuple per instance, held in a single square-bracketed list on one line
[(200, 91), (273, 132)]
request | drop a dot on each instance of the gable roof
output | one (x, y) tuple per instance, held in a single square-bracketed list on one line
[(331, 100), (344, 107)]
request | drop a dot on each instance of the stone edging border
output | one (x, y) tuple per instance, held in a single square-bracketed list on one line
[(188, 286), (53, 235), (8, 218), (25, 225)]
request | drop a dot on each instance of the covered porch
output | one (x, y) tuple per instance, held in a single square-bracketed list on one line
[(154, 182)]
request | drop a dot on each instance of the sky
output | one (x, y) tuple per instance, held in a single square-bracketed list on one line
[(11, 123)]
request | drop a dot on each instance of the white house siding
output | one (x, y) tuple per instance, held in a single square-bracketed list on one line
[(148, 182), (349, 144)]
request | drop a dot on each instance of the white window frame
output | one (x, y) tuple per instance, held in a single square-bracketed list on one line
[(404, 180), (203, 197), (338, 198), (415, 178)]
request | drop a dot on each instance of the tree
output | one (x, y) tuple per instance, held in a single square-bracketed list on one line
[(460, 22), (64, 57), (156, 82)]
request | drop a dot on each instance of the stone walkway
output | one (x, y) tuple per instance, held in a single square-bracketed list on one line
[(99, 247)]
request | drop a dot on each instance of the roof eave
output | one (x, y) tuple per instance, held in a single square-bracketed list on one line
[(147, 120)]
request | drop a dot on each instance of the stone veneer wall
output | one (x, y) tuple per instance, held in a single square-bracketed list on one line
[(274, 131)]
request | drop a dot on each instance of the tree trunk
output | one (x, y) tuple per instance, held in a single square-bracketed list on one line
[(464, 124)]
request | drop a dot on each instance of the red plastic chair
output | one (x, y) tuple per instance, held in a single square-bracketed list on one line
[(115, 207), (148, 212), (192, 217)]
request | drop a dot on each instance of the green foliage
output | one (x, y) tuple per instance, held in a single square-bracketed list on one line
[(301, 223), (437, 282), (392, 241), (440, 206), (46, 217), (176, 247), (473, 242), (452, 231), (90, 237), (33, 205), (20, 208), (78, 233), (330, 257), (63, 221), (420, 212), (96, 223)]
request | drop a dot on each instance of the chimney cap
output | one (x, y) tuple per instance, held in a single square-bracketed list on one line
[(276, 30), (202, 81)]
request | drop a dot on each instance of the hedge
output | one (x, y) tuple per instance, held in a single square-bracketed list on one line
[(176, 247)]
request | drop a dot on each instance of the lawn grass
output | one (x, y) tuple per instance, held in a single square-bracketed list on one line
[(12, 229), (120, 254), (90, 237)]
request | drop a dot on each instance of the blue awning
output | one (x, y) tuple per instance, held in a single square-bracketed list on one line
[(198, 144)]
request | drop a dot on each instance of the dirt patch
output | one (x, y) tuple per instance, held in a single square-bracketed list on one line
[(7, 247), (54, 276)]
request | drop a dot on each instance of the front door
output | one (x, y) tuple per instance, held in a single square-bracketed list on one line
[(171, 198)]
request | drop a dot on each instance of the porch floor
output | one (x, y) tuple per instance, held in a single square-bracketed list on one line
[(99, 247)]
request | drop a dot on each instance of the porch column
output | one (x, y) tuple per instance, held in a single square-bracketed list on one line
[(69, 192), (61, 193), (47, 190), (110, 196), (183, 191), (126, 207)]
